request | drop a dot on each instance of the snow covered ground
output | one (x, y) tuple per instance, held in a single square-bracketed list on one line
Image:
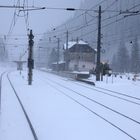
[(58, 111)]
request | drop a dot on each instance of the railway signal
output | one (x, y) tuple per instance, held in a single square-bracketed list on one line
[(30, 58)]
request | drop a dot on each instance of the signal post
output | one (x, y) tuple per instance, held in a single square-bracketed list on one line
[(30, 58)]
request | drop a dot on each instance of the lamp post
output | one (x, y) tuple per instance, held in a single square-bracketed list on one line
[(58, 47), (58, 55), (98, 71), (67, 53)]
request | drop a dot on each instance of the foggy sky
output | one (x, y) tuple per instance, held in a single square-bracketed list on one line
[(39, 21)]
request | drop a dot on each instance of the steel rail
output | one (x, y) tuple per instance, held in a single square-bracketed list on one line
[(24, 111), (90, 110), (1, 77), (96, 102)]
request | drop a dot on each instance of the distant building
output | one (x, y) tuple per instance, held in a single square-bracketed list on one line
[(80, 56)]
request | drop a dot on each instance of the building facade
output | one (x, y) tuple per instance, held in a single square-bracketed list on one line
[(80, 56)]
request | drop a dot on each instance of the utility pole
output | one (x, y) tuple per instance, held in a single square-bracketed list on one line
[(30, 58), (58, 45), (67, 52), (98, 71)]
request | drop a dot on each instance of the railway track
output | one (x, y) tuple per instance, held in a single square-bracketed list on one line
[(54, 83), (23, 109), (137, 85), (105, 91), (115, 92), (113, 110), (100, 89), (1, 77), (110, 93), (119, 93)]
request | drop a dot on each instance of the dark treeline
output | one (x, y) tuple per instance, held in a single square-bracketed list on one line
[(120, 32)]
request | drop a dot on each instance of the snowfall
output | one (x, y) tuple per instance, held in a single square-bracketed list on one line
[(55, 116)]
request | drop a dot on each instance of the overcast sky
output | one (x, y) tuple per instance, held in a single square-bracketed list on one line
[(39, 21)]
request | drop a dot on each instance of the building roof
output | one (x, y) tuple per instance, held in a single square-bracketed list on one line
[(72, 43), (60, 62)]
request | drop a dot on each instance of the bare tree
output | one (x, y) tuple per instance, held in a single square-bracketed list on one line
[(122, 60), (135, 56)]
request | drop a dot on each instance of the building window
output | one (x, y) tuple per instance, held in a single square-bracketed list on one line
[(83, 66), (75, 67)]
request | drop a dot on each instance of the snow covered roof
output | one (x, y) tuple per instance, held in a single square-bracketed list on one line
[(60, 62), (72, 43)]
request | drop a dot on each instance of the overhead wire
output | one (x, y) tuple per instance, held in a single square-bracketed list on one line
[(78, 15), (14, 19), (87, 23), (84, 26), (16, 15), (83, 13), (26, 16), (106, 25)]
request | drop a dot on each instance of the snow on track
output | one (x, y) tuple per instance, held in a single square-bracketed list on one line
[(74, 89), (13, 125), (57, 117)]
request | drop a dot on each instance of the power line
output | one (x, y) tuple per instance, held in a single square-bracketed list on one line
[(14, 20), (85, 26), (26, 16), (87, 9), (83, 13), (86, 12), (106, 25)]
